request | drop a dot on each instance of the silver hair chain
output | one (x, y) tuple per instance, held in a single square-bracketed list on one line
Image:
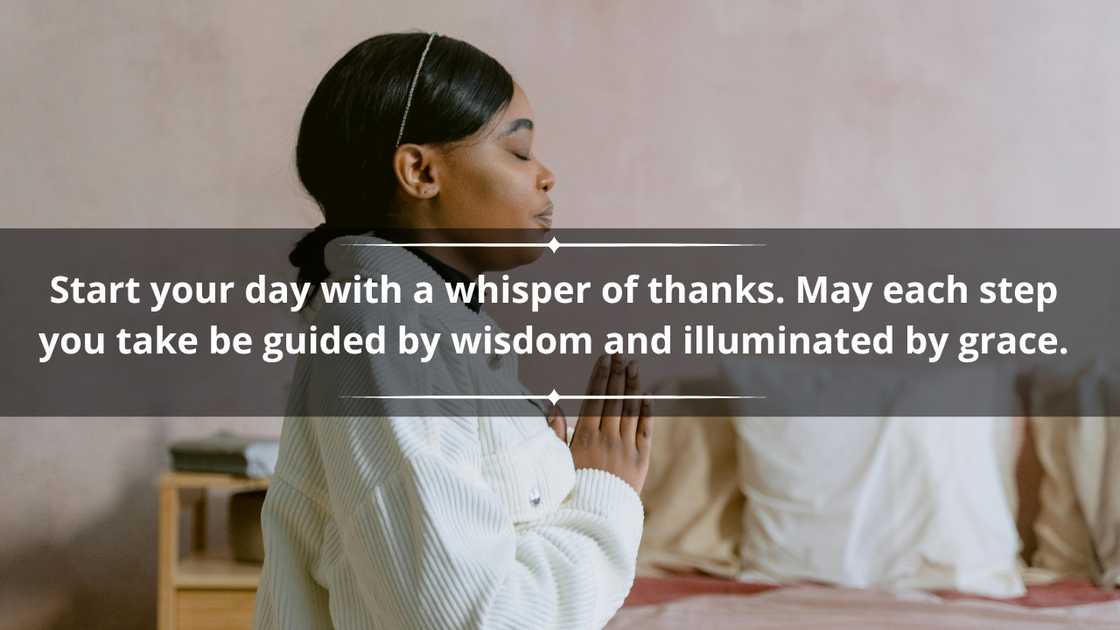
[(412, 88)]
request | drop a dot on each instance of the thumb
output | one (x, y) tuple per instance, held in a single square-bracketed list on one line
[(558, 422)]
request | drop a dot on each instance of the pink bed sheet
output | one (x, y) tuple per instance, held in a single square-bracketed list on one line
[(706, 603)]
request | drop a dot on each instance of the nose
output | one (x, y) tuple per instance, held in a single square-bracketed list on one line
[(546, 180)]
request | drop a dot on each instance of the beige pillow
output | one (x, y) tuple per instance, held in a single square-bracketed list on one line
[(1077, 438), (693, 505)]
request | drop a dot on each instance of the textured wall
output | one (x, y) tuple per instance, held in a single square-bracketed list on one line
[(865, 113)]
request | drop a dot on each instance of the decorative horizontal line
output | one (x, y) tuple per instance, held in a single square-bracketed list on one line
[(552, 396), (563, 396), (553, 244)]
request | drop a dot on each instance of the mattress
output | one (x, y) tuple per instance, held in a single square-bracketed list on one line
[(718, 604)]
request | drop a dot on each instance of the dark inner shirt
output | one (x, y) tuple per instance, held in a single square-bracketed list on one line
[(449, 274), (445, 271)]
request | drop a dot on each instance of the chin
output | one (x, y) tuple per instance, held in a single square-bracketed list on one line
[(532, 254), (526, 255), (506, 258)]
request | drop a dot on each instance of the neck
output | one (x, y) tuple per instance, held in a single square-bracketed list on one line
[(455, 257)]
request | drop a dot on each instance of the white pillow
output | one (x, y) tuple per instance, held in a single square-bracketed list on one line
[(887, 502)]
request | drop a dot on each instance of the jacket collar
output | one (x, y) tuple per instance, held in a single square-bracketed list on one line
[(367, 255)]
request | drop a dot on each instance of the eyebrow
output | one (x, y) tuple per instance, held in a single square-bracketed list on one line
[(517, 124)]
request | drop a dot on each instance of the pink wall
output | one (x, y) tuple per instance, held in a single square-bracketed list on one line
[(782, 114), (873, 113)]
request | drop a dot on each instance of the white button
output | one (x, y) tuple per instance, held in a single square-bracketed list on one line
[(534, 497)]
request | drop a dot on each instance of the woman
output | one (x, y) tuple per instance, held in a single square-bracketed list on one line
[(380, 516)]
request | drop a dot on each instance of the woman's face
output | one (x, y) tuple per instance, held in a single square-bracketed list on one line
[(492, 180)]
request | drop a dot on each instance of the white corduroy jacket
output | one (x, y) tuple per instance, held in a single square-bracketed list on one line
[(457, 521)]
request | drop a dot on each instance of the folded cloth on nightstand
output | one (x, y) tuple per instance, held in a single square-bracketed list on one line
[(226, 452)]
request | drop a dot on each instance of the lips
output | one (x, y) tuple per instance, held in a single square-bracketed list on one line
[(544, 217)]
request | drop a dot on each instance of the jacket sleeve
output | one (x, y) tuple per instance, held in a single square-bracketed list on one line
[(433, 546), (430, 544)]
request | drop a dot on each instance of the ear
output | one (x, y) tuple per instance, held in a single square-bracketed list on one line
[(417, 170)]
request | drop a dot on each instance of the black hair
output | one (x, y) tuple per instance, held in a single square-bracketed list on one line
[(348, 134)]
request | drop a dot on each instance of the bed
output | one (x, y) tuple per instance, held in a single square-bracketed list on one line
[(711, 603), (688, 562)]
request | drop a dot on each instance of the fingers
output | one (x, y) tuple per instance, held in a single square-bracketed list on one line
[(591, 411), (644, 437), (630, 406), (628, 454), (612, 407)]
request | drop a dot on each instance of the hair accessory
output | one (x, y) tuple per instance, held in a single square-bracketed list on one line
[(412, 87)]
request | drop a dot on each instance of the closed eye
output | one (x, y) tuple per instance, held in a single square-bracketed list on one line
[(522, 157)]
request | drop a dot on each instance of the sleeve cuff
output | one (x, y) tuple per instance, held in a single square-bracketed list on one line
[(607, 495)]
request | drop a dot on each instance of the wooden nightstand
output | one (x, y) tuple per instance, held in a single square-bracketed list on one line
[(206, 589)]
